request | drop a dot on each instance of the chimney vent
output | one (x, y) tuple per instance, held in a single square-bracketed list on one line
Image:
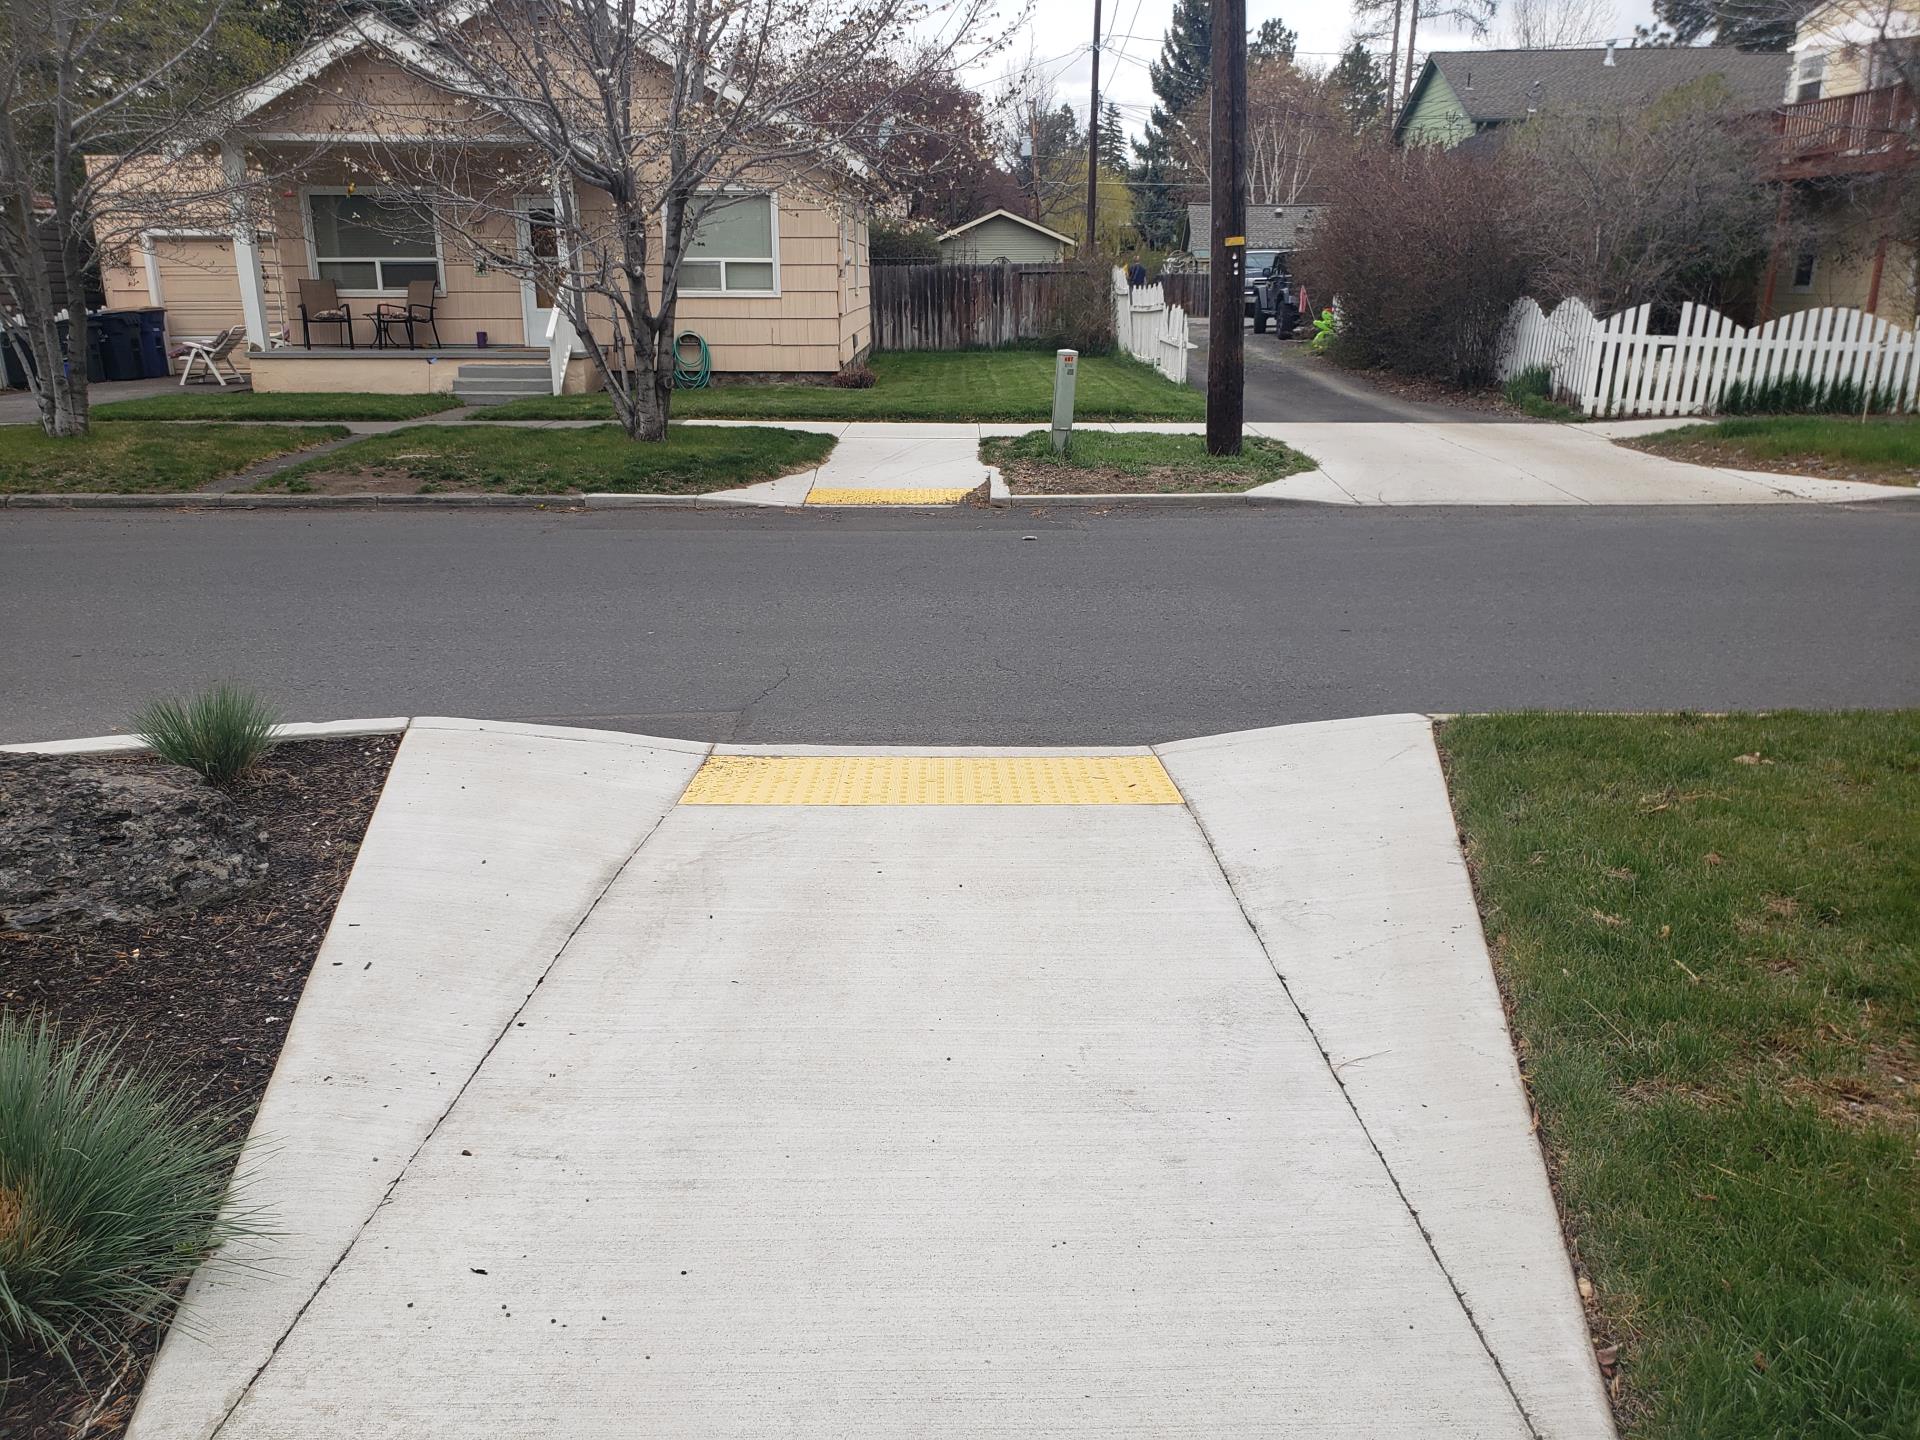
[(1609, 60)]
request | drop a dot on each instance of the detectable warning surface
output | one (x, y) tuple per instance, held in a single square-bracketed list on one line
[(834, 495), (931, 780)]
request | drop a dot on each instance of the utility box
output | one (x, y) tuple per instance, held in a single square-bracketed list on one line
[(1066, 368)]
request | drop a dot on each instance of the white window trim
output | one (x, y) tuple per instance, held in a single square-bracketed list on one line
[(313, 250), (773, 199)]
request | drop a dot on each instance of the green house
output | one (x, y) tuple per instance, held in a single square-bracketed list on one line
[(1464, 93)]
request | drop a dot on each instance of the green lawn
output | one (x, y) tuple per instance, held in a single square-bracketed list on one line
[(916, 385), (428, 458), (245, 405), (1708, 931), (125, 457), (1834, 447), (1101, 462)]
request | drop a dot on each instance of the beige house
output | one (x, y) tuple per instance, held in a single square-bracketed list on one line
[(1003, 237), (1845, 153), (776, 280)]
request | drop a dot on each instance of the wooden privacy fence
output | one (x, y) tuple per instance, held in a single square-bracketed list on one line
[(1620, 366), (1146, 327), (1191, 290), (960, 307)]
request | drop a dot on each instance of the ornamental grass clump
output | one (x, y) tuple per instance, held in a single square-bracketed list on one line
[(111, 1183), (221, 732)]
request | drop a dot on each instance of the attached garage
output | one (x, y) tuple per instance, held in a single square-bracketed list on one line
[(191, 275)]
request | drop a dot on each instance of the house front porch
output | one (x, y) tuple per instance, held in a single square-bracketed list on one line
[(475, 372)]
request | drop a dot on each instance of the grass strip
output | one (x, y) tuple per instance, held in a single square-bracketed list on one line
[(428, 459), (137, 457), (1708, 932)]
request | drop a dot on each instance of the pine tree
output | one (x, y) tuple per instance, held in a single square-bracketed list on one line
[(1272, 41), (1361, 86), (1179, 79), (1749, 24), (1113, 140)]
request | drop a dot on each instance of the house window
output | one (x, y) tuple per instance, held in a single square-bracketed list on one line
[(1804, 264), (1809, 76), (372, 242), (732, 252)]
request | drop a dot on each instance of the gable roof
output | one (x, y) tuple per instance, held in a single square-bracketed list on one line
[(1495, 86), (1269, 227), (1007, 215), (371, 31)]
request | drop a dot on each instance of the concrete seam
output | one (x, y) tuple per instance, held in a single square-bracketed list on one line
[(1386, 1166), (506, 1029)]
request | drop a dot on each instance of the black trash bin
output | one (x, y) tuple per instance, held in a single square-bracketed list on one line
[(10, 361), (153, 344), (119, 332), (96, 360)]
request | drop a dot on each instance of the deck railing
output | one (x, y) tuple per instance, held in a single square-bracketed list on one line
[(1844, 130)]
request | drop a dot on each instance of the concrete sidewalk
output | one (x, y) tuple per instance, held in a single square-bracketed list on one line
[(1357, 463), (643, 1088)]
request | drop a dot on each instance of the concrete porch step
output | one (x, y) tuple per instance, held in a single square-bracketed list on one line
[(519, 371), (485, 390)]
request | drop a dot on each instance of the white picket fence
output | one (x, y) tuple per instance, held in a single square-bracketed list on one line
[(1618, 366), (1149, 329)]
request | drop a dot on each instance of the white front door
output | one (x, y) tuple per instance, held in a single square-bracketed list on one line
[(540, 248)]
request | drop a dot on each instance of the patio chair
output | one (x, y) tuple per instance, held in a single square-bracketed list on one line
[(320, 304), (416, 309), (210, 353)]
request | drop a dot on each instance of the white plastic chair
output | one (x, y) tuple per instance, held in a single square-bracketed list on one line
[(211, 353)]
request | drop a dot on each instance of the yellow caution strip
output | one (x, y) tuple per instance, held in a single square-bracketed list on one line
[(830, 495), (931, 780)]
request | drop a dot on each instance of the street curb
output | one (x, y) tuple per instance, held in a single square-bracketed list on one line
[(292, 730), (193, 500), (1216, 497)]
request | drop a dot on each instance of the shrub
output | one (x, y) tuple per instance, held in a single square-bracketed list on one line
[(1532, 391), (221, 732), (854, 376), (899, 242), (111, 1185), (1079, 314), (1424, 247)]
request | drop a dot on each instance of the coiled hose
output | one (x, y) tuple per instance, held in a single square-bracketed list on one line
[(691, 377)]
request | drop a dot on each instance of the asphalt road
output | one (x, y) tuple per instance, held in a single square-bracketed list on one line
[(847, 626), (1283, 382)]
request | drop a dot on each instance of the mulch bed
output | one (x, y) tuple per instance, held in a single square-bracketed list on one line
[(1024, 480), (209, 993), (1732, 457)]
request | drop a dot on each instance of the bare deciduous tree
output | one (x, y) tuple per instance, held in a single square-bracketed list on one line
[(106, 107), (644, 120), (1665, 203), (1557, 24)]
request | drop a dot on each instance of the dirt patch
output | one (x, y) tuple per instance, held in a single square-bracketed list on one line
[(209, 992), (1731, 457)]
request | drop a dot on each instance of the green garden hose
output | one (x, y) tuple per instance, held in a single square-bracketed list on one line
[(691, 377)]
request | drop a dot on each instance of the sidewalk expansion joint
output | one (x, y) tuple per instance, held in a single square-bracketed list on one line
[(386, 1195), (1386, 1166)]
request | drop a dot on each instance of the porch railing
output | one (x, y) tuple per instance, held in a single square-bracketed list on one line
[(1843, 131), (559, 348)]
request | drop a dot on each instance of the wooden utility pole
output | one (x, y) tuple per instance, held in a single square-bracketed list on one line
[(1093, 139), (1226, 339)]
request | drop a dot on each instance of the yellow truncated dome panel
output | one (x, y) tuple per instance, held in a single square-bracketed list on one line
[(943, 495), (931, 780)]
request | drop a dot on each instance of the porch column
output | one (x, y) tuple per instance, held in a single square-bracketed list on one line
[(246, 244)]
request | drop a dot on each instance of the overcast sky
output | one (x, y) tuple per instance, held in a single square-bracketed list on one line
[(1061, 31)]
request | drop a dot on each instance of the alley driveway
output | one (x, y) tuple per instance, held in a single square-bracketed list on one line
[(1285, 383)]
